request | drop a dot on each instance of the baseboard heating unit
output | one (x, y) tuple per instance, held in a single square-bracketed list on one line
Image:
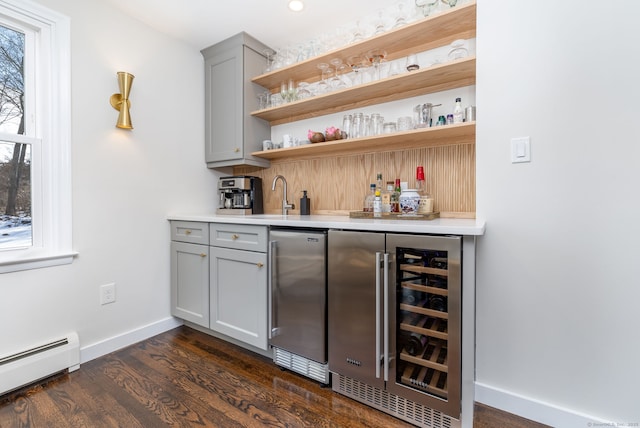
[(39, 361)]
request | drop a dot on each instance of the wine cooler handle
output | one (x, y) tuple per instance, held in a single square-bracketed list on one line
[(385, 273), (272, 310), (379, 355)]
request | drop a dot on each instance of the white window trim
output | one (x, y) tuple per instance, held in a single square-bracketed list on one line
[(53, 127)]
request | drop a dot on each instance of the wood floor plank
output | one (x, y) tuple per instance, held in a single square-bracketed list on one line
[(185, 378)]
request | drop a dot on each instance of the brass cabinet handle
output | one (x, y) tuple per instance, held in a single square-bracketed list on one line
[(187, 232), (237, 150), (203, 255), (260, 264), (234, 236)]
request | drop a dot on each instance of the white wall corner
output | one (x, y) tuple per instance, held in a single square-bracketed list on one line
[(534, 410), (106, 346)]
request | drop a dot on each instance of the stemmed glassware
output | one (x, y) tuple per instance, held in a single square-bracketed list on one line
[(375, 57), (356, 62), (400, 18), (427, 6), (338, 80), (325, 72)]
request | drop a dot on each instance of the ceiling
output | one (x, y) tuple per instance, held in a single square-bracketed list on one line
[(202, 23)]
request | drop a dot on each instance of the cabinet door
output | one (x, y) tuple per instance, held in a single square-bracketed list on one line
[(190, 282), (224, 106), (355, 306), (238, 295), (231, 133)]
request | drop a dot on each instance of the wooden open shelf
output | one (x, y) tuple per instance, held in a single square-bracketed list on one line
[(441, 77), (463, 133), (425, 34)]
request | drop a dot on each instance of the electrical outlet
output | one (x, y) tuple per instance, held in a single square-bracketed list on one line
[(107, 293)]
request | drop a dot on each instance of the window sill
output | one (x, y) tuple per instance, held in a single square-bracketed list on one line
[(37, 262)]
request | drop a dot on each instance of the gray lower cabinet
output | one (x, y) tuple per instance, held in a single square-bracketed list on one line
[(231, 133), (238, 282), (190, 271)]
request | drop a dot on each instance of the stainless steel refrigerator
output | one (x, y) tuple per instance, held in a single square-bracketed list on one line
[(298, 294), (394, 305)]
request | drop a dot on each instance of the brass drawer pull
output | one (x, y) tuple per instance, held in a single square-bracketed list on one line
[(260, 264), (234, 236), (187, 232), (203, 255)]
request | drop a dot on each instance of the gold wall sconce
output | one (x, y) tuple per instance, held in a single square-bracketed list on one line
[(121, 101)]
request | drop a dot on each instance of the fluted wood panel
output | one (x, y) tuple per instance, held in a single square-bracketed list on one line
[(339, 184)]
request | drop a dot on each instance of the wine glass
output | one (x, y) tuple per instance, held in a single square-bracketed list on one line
[(303, 91), (284, 91), (356, 62), (401, 19), (357, 33), (380, 24), (338, 79), (427, 6), (323, 85), (291, 91), (375, 57)]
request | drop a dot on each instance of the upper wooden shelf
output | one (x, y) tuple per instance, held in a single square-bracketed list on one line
[(454, 74), (464, 133), (425, 34)]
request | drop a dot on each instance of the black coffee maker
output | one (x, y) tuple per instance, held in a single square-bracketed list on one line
[(240, 195)]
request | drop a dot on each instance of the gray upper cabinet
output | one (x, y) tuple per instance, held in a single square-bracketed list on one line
[(231, 133)]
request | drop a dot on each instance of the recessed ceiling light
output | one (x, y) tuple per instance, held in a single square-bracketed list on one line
[(296, 5)]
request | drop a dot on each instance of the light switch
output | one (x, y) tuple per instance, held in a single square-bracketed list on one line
[(520, 149)]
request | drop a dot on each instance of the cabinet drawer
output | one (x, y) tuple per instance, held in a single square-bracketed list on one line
[(190, 231), (239, 236)]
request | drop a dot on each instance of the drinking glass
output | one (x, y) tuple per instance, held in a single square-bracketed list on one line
[(269, 53), (380, 24), (284, 91), (412, 62)]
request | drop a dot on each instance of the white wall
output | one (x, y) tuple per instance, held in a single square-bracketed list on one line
[(557, 287), (124, 183)]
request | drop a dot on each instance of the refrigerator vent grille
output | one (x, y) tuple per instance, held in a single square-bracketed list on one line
[(392, 404), (302, 365)]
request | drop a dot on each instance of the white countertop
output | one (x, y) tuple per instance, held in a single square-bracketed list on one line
[(444, 226)]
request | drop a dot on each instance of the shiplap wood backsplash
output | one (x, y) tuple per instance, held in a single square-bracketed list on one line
[(337, 185)]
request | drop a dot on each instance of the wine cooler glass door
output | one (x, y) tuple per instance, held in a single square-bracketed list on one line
[(425, 284)]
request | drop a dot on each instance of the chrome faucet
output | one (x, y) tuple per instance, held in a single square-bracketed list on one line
[(285, 205)]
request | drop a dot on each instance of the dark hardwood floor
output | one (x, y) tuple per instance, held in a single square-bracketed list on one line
[(185, 378)]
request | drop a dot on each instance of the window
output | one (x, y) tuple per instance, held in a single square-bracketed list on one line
[(35, 175)]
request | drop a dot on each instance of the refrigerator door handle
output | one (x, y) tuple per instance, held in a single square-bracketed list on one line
[(271, 329), (385, 273), (379, 356)]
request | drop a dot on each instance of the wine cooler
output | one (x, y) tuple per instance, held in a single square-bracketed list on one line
[(395, 323)]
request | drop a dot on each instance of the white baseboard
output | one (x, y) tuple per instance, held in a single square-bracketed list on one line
[(106, 346), (534, 410)]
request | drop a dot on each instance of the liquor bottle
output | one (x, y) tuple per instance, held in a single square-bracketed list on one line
[(420, 184), (377, 205), (457, 111), (426, 202), (386, 197), (368, 199), (395, 197)]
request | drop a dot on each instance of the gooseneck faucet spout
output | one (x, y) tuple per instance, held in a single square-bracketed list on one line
[(285, 205)]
